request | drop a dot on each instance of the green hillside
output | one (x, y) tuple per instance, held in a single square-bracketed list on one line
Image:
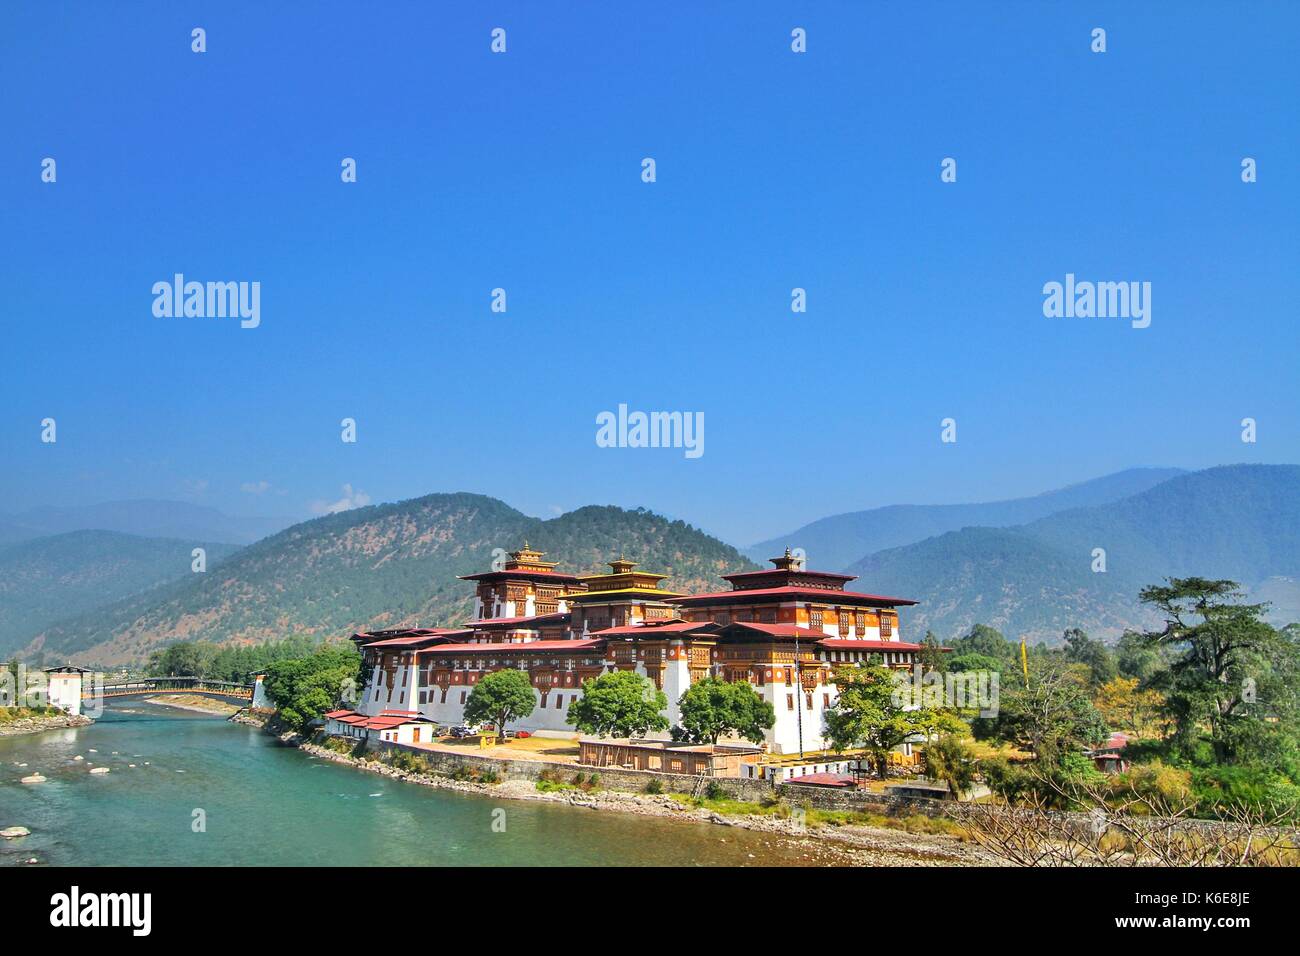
[(1240, 522), (47, 579), (381, 566)]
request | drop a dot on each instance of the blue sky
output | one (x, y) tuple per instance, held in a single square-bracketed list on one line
[(775, 170)]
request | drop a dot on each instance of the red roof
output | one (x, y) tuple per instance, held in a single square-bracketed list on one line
[(575, 647), (778, 630), (519, 573), (769, 572), (824, 780), (385, 721), (650, 627), (855, 644), (416, 638), (818, 595), (518, 621)]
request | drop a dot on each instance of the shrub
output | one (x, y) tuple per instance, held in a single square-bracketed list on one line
[(654, 786)]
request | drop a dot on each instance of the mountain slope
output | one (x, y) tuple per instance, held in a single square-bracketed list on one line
[(1240, 522), (146, 518), (837, 541), (381, 566), (47, 579)]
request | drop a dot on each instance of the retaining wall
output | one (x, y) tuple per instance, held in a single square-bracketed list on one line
[(636, 781)]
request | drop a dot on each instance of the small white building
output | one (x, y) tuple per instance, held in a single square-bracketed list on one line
[(399, 727), (64, 686)]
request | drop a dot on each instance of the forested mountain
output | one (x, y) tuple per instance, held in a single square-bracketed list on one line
[(380, 566), (835, 542), (1240, 522), (47, 579)]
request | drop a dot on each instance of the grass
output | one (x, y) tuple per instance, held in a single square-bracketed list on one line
[(10, 714), (813, 817)]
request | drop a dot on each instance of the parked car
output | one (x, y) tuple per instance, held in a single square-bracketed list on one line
[(523, 735), (464, 730)]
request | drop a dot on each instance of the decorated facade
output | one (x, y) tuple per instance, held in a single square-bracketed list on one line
[(782, 629)]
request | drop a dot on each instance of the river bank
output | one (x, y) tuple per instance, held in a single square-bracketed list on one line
[(843, 843), (40, 723), (195, 703), (265, 804)]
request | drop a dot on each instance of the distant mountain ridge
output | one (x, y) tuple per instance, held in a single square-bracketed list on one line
[(146, 518), (380, 566), (1240, 522), (835, 542), (48, 579)]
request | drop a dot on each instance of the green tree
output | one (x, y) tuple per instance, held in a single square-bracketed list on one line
[(500, 697), (1136, 657), (870, 713), (620, 704), (712, 708), (932, 656), (304, 688), (1082, 649), (1054, 714), (949, 759), (1233, 676)]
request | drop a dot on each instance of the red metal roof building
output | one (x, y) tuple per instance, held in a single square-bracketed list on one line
[(783, 630)]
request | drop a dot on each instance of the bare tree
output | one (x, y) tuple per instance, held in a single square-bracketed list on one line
[(1132, 829)]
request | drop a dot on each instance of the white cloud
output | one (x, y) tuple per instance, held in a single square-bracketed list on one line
[(351, 499), (255, 487)]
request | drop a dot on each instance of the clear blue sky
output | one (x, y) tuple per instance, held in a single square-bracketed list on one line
[(522, 170)]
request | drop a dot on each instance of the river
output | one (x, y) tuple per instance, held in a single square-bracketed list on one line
[(264, 804)]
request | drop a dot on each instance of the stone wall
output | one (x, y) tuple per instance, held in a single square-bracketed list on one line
[(736, 788)]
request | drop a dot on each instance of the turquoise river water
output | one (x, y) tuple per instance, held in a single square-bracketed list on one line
[(266, 804)]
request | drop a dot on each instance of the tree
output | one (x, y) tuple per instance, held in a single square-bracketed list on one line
[(1232, 672), (500, 697), (931, 655), (303, 688), (1137, 658), (620, 704), (1123, 704), (869, 713), (712, 708), (949, 759), (1053, 714), (1082, 649)]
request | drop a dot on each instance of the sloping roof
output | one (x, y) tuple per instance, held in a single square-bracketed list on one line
[(857, 644), (651, 628), (521, 647), (534, 620), (816, 595)]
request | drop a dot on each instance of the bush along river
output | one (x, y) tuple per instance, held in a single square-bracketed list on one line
[(189, 789)]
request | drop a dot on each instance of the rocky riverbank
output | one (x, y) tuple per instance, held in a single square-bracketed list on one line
[(39, 724), (838, 845)]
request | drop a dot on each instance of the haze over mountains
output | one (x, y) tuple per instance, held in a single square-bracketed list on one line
[(144, 517), (102, 598), (835, 542), (1240, 522), (379, 566)]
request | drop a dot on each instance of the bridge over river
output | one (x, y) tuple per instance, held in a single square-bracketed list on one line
[(168, 685)]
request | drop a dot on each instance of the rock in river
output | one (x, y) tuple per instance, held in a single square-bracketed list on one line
[(11, 832)]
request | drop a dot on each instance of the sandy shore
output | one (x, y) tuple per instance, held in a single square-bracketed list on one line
[(202, 705)]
